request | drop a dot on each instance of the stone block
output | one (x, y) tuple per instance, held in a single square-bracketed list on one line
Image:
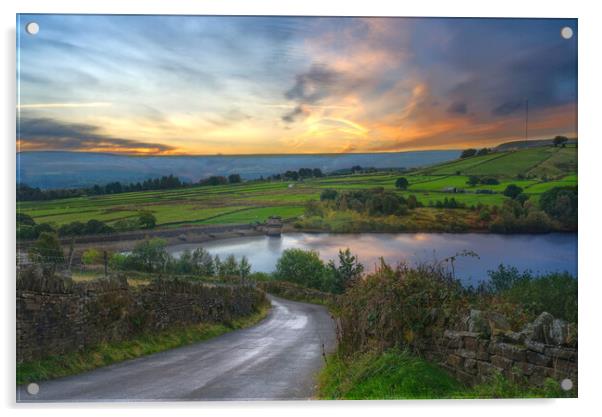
[(538, 359), (501, 362)]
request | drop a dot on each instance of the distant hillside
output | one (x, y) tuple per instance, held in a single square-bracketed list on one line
[(78, 169), (521, 144), (532, 162)]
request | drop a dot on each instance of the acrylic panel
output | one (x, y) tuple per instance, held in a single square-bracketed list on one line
[(292, 208)]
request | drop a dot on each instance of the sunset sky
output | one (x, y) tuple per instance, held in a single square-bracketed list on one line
[(270, 85)]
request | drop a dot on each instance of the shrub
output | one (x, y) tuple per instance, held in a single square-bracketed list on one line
[(328, 194), (468, 153), (47, 252), (513, 191), (396, 307), (147, 220), (91, 257), (402, 183), (561, 204), (555, 293), (303, 267), (347, 273), (25, 219)]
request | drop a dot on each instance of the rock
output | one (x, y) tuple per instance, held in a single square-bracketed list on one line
[(497, 323), (535, 346), (501, 362), (477, 323), (469, 354), (538, 330), (514, 337), (455, 361), (182, 237), (538, 359), (558, 332), (562, 353), (513, 352), (470, 365)]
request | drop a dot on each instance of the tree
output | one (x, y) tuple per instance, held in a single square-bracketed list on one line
[(522, 198), (25, 219), (402, 183), (150, 255), (347, 273), (328, 194), (483, 151), (147, 220), (303, 267), (234, 178), (91, 257), (473, 180), (513, 191), (560, 203), (560, 140), (47, 252), (244, 269), (229, 267), (468, 153)]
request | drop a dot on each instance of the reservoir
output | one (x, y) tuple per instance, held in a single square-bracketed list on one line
[(554, 252)]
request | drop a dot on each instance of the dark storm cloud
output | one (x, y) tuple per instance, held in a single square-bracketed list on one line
[(312, 85), (504, 62), (507, 108), (53, 134), (458, 107)]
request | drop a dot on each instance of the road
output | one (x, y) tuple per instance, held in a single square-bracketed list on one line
[(275, 359)]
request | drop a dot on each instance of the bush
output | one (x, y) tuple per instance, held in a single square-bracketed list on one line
[(396, 307), (468, 153), (91, 257), (328, 194), (147, 220), (92, 227), (303, 267), (560, 203), (513, 191), (555, 293), (25, 219), (47, 252), (347, 273), (402, 183)]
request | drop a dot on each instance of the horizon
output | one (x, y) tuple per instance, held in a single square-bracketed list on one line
[(245, 86)]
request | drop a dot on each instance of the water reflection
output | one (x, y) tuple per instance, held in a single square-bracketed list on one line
[(540, 253)]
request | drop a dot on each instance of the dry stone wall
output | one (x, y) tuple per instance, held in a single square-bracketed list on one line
[(56, 315), (484, 345)]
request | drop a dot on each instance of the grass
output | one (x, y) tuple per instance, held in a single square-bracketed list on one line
[(397, 374), (112, 352), (244, 203)]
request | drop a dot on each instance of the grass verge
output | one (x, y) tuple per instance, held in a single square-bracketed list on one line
[(111, 352), (397, 374)]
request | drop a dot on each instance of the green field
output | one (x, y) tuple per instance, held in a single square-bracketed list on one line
[(536, 170)]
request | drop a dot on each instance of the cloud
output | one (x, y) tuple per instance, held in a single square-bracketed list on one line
[(312, 85), (507, 108), (458, 107), (61, 105), (52, 134), (299, 112)]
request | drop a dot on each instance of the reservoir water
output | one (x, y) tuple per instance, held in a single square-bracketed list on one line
[(538, 253)]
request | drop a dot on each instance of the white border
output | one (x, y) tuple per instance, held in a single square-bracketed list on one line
[(590, 152)]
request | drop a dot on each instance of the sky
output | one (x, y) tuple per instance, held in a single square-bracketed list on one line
[(206, 85)]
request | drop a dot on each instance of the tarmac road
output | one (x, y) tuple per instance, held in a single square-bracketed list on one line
[(277, 359)]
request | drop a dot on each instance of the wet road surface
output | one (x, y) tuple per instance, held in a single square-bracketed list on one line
[(275, 359)]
